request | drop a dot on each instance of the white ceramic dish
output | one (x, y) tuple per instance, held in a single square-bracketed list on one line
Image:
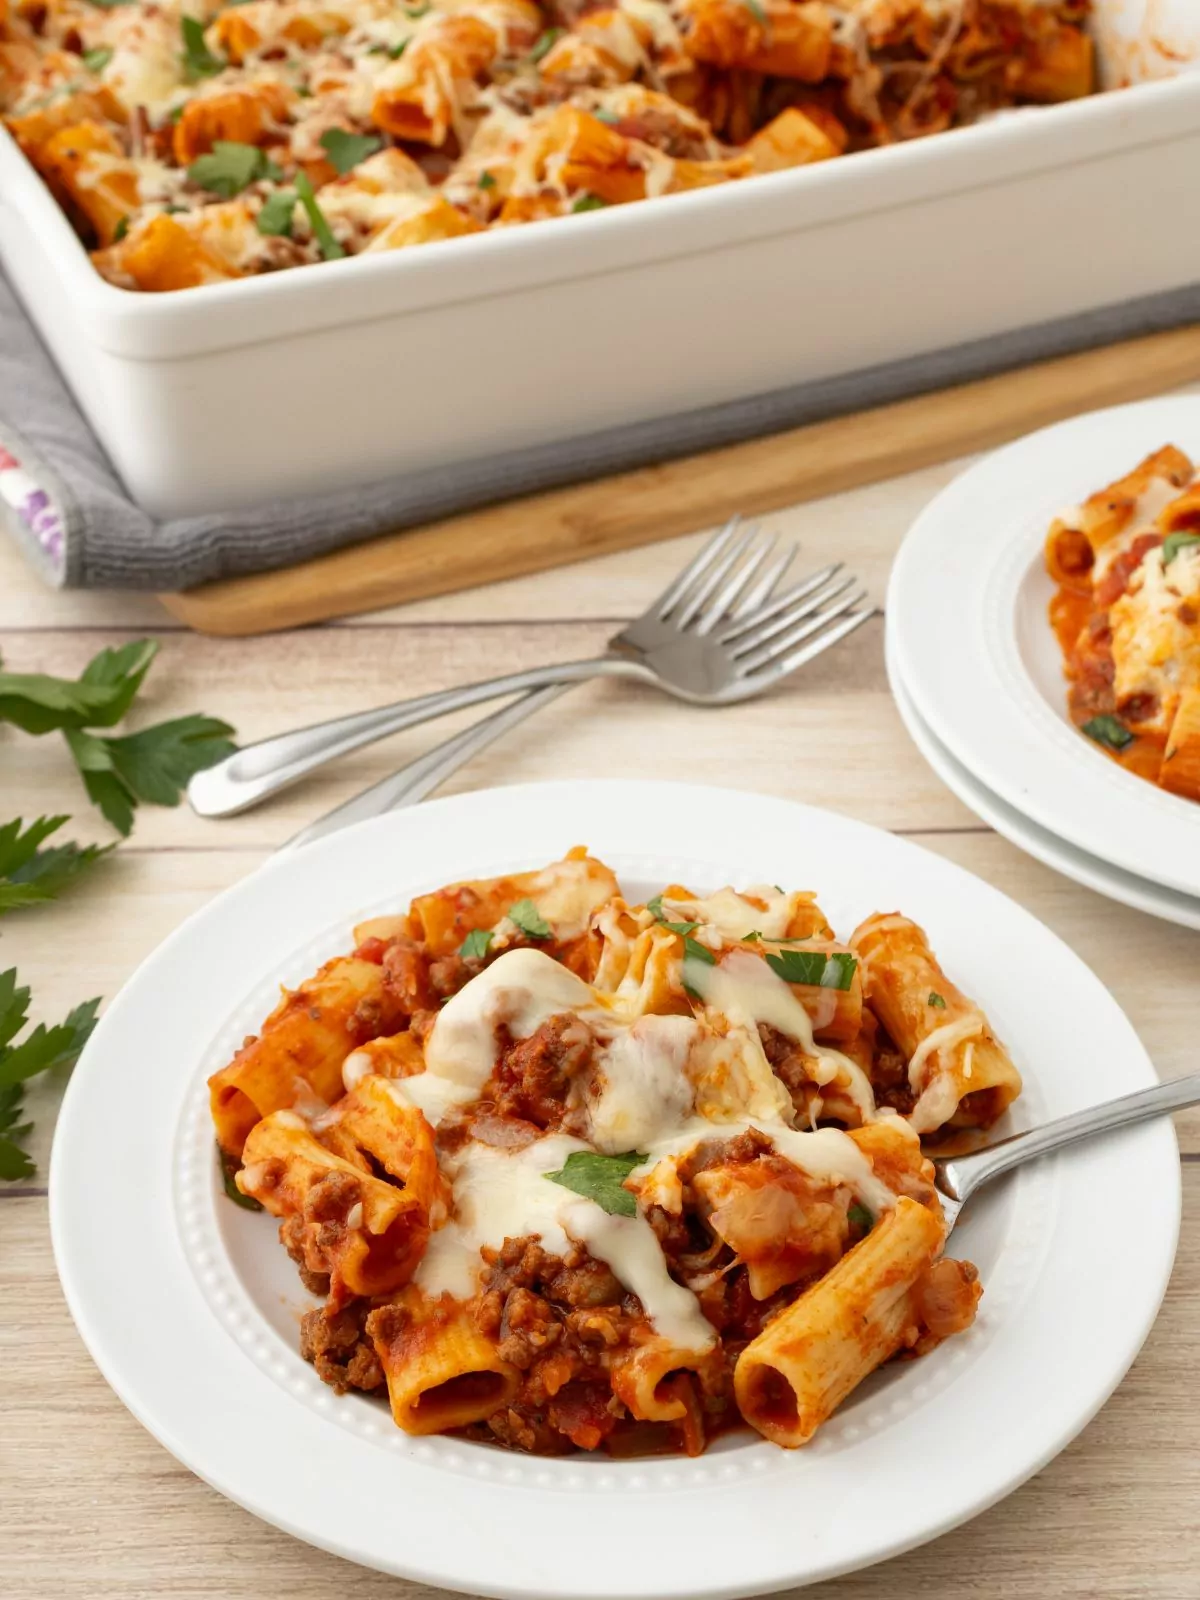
[(968, 622), (1139, 893), (187, 1303), (229, 394)]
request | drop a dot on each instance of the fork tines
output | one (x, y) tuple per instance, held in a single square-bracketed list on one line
[(732, 580)]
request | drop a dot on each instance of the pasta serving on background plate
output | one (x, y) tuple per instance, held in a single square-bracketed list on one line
[(570, 1173), (1127, 616), (196, 143)]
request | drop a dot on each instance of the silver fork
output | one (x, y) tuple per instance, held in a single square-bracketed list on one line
[(959, 1177), (718, 634)]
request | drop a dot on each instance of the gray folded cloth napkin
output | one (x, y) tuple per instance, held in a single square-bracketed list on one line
[(67, 509)]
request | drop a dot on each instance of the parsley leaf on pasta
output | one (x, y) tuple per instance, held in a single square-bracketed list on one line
[(530, 920), (1174, 543), (476, 945), (693, 950), (861, 1217), (230, 1166), (274, 220), (330, 249), (230, 167), (1108, 731), (198, 59), (814, 967), (601, 1178), (936, 1001), (345, 150), (681, 928), (29, 874), (544, 43)]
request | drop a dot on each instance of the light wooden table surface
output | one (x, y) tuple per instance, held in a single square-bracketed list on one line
[(93, 1507)]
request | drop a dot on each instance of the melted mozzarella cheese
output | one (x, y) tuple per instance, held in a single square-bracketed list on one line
[(827, 1155), (505, 1194), (568, 893), (521, 989), (943, 1038), (760, 909), (644, 1086), (743, 988), (1154, 499)]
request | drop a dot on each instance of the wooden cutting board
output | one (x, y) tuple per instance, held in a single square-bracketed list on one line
[(693, 492)]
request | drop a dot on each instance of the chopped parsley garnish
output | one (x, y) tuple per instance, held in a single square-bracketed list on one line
[(601, 1178), (545, 43), (330, 249), (610, 117), (655, 907), (230, 167), (121, 229), (756, 11), (275, 218), (395, 51), (589, 202), (230, 1167), (198, 59), (530, 920), (693, 950), (861, 1217), (476, 945), (417, 12), (97, 60), (1109, 731), (814, 967), (346, 150), (486, 181), (1174, 543), (754, 937), (935, 1000)]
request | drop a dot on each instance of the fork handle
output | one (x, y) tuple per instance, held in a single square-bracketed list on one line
[(960, 1176), (421, 777), (256, 771)]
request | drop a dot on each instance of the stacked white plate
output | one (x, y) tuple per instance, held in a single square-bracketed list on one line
[(977, 673)]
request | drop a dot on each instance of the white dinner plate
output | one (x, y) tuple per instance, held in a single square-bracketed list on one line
[(1045, 847), (967, 609), (188, 1304)]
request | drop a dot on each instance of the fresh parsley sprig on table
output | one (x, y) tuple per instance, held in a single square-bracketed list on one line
[(41, 1050), (119, 772), (29, 874)]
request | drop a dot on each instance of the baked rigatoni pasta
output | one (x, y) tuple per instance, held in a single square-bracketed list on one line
[(568, 1171), (1126, 612), (196, 143)]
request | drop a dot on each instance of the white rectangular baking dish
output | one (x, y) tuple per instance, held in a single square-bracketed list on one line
[(227, 395)]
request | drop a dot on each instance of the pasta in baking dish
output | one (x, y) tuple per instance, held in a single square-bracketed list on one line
[(1127, 616), (569, 1173), (197, 142)]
